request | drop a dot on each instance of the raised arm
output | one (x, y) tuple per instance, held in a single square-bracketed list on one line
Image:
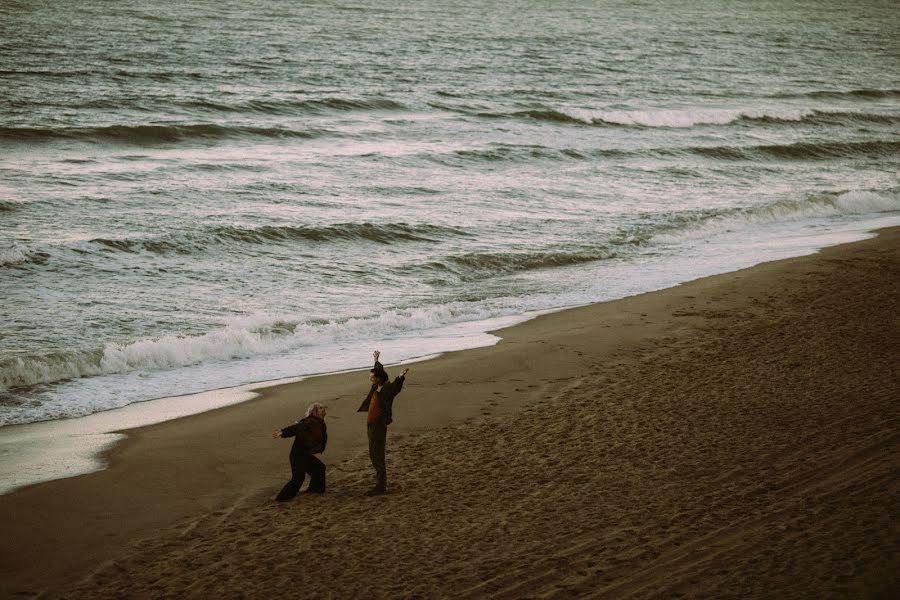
[(378, 365), (397, 384)]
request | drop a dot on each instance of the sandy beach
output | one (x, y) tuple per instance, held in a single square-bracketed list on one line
[(732, 437)]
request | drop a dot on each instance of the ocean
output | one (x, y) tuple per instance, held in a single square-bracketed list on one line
[(198, 196)]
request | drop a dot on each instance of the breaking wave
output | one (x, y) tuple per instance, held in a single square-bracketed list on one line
[(367, 232), (21, 256), (479, 265), (691, 224), (169, 352), (187, 243), (239, 338), (687, 118), (364, 232)]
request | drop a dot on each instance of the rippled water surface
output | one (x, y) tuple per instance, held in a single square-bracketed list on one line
[(196, 195)]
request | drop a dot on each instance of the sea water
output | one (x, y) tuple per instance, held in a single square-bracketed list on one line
[(196, 196)]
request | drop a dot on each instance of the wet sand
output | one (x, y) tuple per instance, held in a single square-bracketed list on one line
[(733, 437)]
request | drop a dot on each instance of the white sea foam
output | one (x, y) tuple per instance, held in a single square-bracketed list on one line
[(13, 255), (26, 371), (243, 337), (859, 202), (865, 201), (688, 117)]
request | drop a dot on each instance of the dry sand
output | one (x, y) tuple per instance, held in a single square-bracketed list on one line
[(733, 437)]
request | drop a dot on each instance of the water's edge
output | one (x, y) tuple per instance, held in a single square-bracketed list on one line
[(43, 451)]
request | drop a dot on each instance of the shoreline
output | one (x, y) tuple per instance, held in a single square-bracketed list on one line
[(169, 483), (43, 449)]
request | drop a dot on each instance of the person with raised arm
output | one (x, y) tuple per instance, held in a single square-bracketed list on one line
[(378, 406)]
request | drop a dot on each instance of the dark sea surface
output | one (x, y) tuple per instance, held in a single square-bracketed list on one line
[(196, 195)]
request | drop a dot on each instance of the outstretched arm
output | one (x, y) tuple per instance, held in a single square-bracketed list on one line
[(289, 431), (397, 384)]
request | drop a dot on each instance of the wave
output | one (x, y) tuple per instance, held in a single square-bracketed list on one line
[(551, 116), (13, 256), (475, 266), (270, 107), (701, 223), (506, 152), (839, 94), (693, 118), (363, 232), (820, 117), (154, 246), (206, 238), (238, 338), (479, 265), (47, 72), (688, 118), (17, 256), (798, 151), (294, 106), (258, 335), (667, 228), (8, 206), (793, 151), (146, 134), (367, 232), (167, 352), (682, 118)]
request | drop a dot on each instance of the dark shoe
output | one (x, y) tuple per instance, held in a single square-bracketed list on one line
[(377, 491)]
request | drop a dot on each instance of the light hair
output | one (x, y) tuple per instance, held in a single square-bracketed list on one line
[(314, 409)]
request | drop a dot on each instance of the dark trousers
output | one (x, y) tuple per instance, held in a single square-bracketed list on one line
[(377, 442), (301, 464)]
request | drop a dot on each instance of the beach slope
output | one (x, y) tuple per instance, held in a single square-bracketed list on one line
[(732, 437)]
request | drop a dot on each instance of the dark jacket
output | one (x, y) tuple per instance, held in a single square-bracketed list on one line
[(310, 435), (385, 397)]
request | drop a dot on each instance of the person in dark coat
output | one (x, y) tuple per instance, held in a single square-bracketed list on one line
[(378, 406), (310, 437)]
